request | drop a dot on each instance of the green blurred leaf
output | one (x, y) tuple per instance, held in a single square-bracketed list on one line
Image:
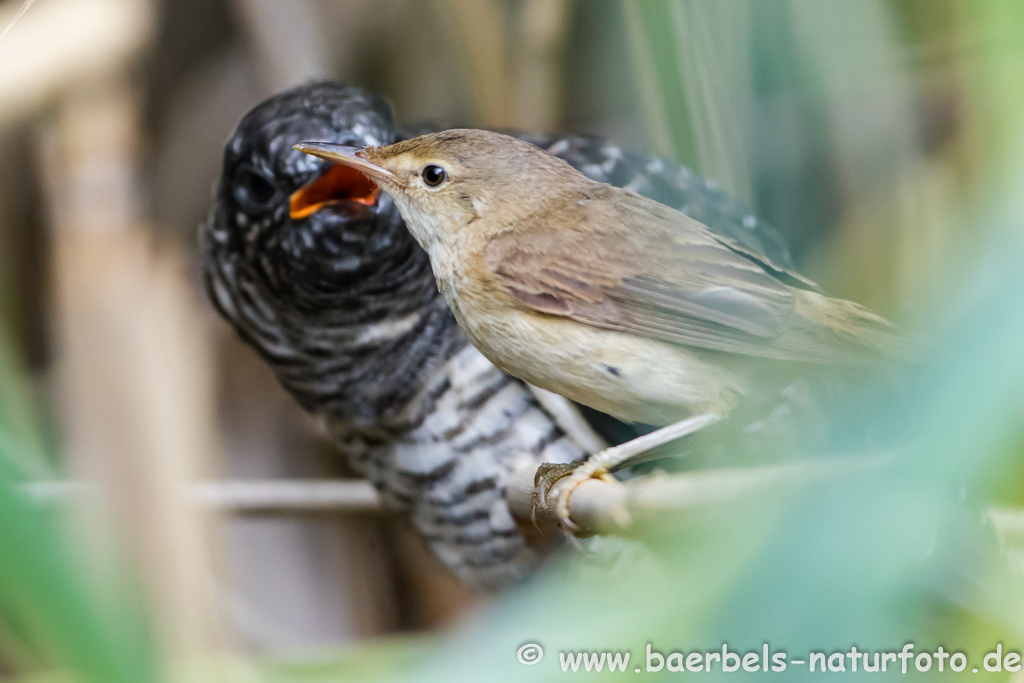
[(50, 616)]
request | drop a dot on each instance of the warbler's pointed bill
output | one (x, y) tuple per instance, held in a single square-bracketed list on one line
[(353, 157)]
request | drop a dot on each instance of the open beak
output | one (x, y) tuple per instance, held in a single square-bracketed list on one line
[(336, 185), (353, 157), (348, 180)]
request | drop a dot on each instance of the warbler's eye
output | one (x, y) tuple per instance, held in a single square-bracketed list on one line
[(433, 175), (254, 190)]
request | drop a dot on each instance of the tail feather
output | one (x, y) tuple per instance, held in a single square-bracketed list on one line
[(859, 330)]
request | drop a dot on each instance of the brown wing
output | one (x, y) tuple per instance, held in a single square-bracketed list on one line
[(647, 269)]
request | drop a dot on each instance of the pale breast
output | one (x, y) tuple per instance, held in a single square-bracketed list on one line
[(633, 378)]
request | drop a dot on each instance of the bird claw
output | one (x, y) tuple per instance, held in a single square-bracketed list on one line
[(562, 480), (547, 476)]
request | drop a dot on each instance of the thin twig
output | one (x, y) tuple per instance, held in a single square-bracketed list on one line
[(608, 507), (596, 505), (271, 496), (289, 495)]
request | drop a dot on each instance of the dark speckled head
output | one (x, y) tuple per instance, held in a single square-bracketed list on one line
[(330, 247), (307, 263)]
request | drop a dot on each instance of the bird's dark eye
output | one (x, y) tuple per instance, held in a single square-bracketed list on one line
[(434, 175), (254, 189)]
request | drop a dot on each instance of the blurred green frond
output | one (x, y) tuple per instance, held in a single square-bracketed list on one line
[(50, 615), (21, 436)]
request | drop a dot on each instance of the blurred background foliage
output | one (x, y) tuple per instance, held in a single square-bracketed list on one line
[(884, 138)]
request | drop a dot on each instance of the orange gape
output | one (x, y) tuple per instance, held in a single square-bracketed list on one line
[(338, 184)]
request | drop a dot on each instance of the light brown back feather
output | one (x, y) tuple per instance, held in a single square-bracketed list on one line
[(642, 267)]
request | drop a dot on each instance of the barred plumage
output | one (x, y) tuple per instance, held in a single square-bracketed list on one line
[(343, 306)]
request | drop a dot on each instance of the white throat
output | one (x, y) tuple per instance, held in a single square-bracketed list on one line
[(436, 241)]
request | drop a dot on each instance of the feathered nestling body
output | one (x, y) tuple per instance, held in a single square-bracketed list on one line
[(342, 305), (317, 271)]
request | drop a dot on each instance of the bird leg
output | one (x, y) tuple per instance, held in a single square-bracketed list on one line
[(562, 480)]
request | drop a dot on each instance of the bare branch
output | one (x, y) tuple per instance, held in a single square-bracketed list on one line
[(273, 496), (606, 507)]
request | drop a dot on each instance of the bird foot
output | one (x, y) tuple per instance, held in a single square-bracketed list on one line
[(559, 481)]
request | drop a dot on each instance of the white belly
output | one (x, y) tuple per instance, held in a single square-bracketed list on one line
[(632, 378)]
